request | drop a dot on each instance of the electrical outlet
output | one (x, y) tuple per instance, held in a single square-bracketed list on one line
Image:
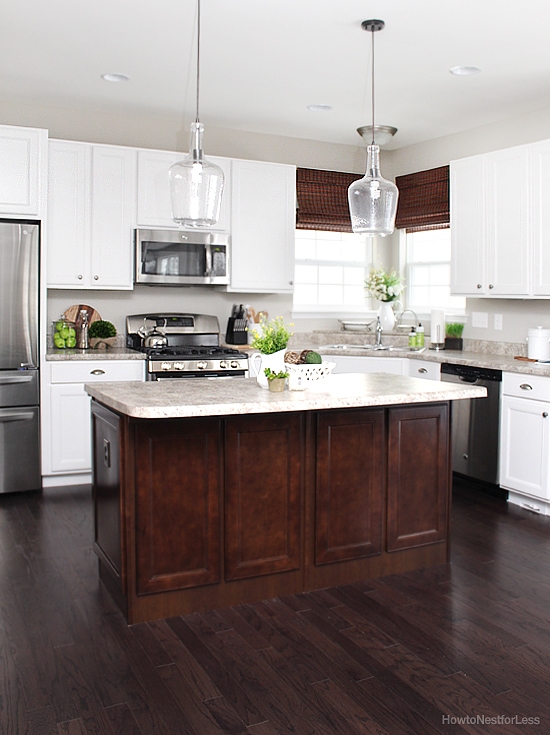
[(498, 321), (480, 319)]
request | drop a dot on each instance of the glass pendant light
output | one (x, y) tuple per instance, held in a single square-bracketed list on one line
[(196, 184), (373, 199)]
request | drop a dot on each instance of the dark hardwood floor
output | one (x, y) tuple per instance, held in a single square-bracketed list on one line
[(459, 648)]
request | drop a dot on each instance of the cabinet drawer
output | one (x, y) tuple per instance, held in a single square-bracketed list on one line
[(423, 369), (535, 387), (91, 371)]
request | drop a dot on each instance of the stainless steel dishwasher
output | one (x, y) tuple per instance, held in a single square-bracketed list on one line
[(475, 423)]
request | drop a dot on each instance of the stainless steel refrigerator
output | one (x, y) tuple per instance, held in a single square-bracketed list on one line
[(19, 384)]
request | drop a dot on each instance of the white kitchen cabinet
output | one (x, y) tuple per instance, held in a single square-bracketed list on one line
[(263, 216), (65, 409), (91, 216), (424, 370), (540, 163), (359, 364), (154, 206), (525, 441), (490, 224), (23, 161)]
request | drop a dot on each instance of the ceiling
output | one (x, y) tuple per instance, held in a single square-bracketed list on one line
[(264, 61)]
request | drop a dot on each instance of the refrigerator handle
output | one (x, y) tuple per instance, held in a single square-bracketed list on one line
[(24, 377), (27, 244), (15, 414)]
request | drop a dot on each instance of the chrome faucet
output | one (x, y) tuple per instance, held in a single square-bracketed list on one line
[(379, 329)]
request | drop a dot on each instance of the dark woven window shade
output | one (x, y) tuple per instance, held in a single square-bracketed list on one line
[(322, 200), (423, 200)]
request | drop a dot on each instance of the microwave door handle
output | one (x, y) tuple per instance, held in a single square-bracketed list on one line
[(208, 260)]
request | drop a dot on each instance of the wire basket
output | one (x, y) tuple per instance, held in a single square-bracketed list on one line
[(301, 376)]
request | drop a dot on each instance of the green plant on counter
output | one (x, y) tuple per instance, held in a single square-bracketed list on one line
[(272, 336), (454, 330), (101, 330), (271, 375)]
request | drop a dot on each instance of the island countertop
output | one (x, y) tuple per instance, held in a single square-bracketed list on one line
[(192, 398)]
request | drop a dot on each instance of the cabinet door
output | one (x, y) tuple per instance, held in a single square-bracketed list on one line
[(154, 206), (508, 216), (349, 485), (22, 158), (263, 216), (468, 227), (70, 433), (112, 217), (525, 446), (68, 223), (540, 164), (263, 491), (177, 513), (418, 476)]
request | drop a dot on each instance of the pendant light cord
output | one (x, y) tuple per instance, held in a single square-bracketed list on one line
[(198, 53), (372, 82)]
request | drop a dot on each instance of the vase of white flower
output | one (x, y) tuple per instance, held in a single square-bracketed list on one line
[(385, 287)]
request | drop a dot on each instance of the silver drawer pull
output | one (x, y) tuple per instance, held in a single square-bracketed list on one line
[(97, 372), (422, 370), (545, 414), (526, 386)]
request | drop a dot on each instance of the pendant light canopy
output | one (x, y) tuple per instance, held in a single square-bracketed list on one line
[(196, 184), (373, 199)]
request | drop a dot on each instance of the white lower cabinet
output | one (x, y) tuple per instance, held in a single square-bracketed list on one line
[(525, 441), (424, 370), (66, 437), (358, 364)]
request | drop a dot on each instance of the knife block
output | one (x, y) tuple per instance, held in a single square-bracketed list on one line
[(236, 333)]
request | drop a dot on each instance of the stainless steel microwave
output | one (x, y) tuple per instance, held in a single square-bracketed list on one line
[(179, 257)]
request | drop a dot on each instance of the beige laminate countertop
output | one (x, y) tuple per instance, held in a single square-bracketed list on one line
[(191, 398), (111, 353)]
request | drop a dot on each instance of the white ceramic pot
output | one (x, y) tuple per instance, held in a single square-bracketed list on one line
[(538, 343), (386, 314), (260, 362)]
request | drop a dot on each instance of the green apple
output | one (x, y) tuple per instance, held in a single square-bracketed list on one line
[(59, 342), (70, 341), (58, 326), (64, 332), (72, 332)]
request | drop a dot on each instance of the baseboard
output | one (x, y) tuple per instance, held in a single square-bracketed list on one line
[(84, 478)]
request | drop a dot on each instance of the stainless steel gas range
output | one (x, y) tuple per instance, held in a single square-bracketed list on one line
[(183, 346)]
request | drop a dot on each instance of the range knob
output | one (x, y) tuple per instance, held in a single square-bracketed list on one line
[(234, 363), (224, 364), (179, 366), (165, 365), (202, 365)]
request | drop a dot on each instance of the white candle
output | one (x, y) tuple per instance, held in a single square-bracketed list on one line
[(437, 329)]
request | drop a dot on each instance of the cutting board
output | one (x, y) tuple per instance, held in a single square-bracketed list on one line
[(71, 314)]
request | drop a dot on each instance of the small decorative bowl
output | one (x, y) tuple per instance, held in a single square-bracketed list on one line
[(301, 376)]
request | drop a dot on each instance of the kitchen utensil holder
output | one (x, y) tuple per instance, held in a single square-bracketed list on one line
[(236, 333)]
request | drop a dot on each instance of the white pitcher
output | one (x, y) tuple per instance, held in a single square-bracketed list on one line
[(260, 362), (386, 314)]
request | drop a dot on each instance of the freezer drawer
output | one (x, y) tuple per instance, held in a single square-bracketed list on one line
[(18, 388), (19, 453)]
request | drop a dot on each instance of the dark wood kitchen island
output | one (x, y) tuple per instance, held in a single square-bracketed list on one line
[(211, 493)]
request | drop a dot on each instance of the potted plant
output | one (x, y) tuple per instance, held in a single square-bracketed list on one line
[(270, 341), (453, 336), (276, 381), (101, 334)]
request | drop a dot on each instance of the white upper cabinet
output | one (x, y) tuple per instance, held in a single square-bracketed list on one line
[(491, 224), (23, 158), (263, 215), (540, 163), (154, 206), (91, 216)]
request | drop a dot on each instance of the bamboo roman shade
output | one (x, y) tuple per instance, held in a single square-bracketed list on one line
[(322, 200), (423, 200)]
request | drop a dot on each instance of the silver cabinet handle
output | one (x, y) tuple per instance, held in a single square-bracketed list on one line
[(491, 285), (479, 285), (545, 414), (96, 278), (79, 276), (97, 372), (526, 386), (422, 370)]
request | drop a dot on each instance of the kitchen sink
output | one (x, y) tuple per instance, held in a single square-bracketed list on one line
[(369, 348)]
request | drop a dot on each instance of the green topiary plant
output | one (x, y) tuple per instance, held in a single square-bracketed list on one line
[(101, 330), (454, 329)]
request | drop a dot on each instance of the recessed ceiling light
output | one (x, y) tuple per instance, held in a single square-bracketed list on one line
[(319, 108), (115, 77), (464, 71)]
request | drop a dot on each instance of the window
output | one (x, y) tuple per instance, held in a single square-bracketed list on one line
[(330, 271), (427, 265)]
